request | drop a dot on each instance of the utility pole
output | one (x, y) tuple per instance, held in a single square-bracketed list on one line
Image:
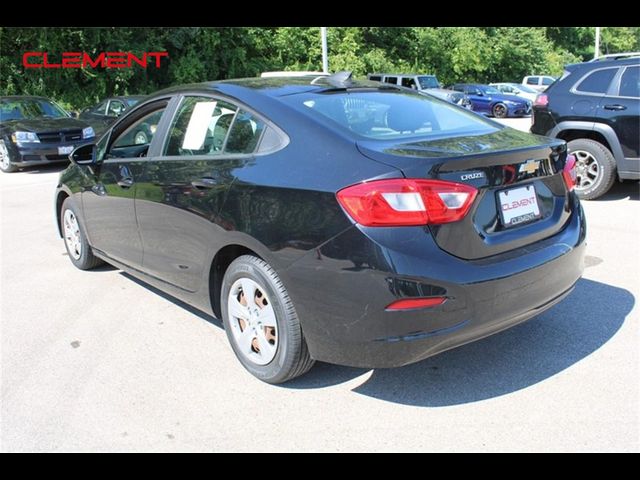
[(597, 52), (325, 58)]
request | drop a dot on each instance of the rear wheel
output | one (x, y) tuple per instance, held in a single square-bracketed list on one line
[(499, 110), (261, 322), (75, 241), (595, 168), (5, 159)]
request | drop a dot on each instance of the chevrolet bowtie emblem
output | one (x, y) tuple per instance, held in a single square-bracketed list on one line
[(529, 166)]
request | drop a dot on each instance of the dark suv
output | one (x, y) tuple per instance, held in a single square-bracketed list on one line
[(595, 107)]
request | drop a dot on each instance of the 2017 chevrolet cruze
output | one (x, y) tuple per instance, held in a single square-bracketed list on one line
[(328, 219)]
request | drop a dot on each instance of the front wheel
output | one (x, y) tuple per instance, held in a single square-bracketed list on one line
[(75, 241), (595, 168), (261, 322), (500, 110), (5, 159)]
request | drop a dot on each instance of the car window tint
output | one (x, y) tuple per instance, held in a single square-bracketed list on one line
[(408, 82), (140, 132), (386, 115), (532, 81), (375, 78), (100, 109), (547, 80), (598, 81), (200, 127), (630, 82), (245, 133), (393, 80)]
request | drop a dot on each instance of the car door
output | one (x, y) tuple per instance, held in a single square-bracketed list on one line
[(179, 202), (481, 103), (620, 108), (108, 197)]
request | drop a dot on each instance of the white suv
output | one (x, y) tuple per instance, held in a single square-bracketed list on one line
[(539, 82)]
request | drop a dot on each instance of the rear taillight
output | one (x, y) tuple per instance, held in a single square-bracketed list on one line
[(542, 100), (569, 172), (404, 202)]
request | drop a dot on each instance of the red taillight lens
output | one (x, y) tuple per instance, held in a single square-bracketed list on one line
[(413, 303), (405, 202), (569, 172), (542, 100)]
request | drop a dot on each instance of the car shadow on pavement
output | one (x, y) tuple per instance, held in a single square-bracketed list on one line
[(52, 168), (620, 191), (198, 313), (498, 365)]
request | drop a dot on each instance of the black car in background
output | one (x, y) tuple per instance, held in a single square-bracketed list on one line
[(106, 112), (595, 107), (36, 131), (326, 219)]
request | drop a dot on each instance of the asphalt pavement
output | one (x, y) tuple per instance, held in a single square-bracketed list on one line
[(97, 361)]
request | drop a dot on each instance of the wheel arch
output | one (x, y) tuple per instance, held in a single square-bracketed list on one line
[(61, 196), (598, 132)]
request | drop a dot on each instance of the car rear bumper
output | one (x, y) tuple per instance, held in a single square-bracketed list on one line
[(345, 321)]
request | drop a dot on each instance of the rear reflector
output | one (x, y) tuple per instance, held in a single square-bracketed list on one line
[(406, 202), (569, 172), (413, 303)]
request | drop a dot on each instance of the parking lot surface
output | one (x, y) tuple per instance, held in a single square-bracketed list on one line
[(99, 361)]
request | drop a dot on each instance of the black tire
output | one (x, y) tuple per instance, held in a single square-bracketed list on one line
[(587, 151), (292, 357), (5, 159), (86, 260), (499, 110)]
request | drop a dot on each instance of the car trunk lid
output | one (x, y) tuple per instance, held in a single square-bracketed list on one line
[(521, 199)]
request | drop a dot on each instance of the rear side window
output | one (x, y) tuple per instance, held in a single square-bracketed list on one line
[(245, 133), (200, 127), (630, 82), (385, 115), (532, 81), (375, 78), (393, 80), (597, 81), (547, 80)]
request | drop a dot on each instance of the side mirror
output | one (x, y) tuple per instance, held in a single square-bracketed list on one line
[(73, 114), (84, 155), (479, 93)]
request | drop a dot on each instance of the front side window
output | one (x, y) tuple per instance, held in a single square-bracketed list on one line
[(547, 80), (386, 115), (100, 109), (630, 82), (200, 127), (408, 82), (532, 81), (597, 81), (116, 108), (140, 132)]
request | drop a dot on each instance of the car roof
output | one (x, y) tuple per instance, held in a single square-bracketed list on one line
[(244, 88), (610, 62), (24, 97)]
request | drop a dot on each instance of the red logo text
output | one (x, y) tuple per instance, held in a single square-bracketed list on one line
[(518, 203), (84, 60)]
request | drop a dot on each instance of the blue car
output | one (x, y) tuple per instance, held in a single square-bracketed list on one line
[(490, 101)]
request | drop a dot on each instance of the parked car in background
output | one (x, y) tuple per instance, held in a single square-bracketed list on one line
[(37, 131), (538, 82), (106, 112), (595, 107), (522, 91), (329, 219), (490, 101), (423, 83)]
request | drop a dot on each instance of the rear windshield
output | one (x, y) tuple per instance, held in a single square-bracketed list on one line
[(386, 115)]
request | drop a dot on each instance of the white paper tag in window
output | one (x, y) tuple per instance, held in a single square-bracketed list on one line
[(198, 125)]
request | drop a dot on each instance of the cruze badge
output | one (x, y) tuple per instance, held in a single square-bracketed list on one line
[(529, 166), (471, 176)]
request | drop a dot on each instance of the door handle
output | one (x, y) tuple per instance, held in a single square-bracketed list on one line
[(205, 182), (615, 107), (126, 182)]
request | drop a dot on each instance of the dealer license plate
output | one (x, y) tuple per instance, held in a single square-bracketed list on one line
[(66, 150), (518, 205)]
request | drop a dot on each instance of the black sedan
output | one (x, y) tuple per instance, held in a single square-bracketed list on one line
[(326, 219), (37, 131), (101, 116)]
